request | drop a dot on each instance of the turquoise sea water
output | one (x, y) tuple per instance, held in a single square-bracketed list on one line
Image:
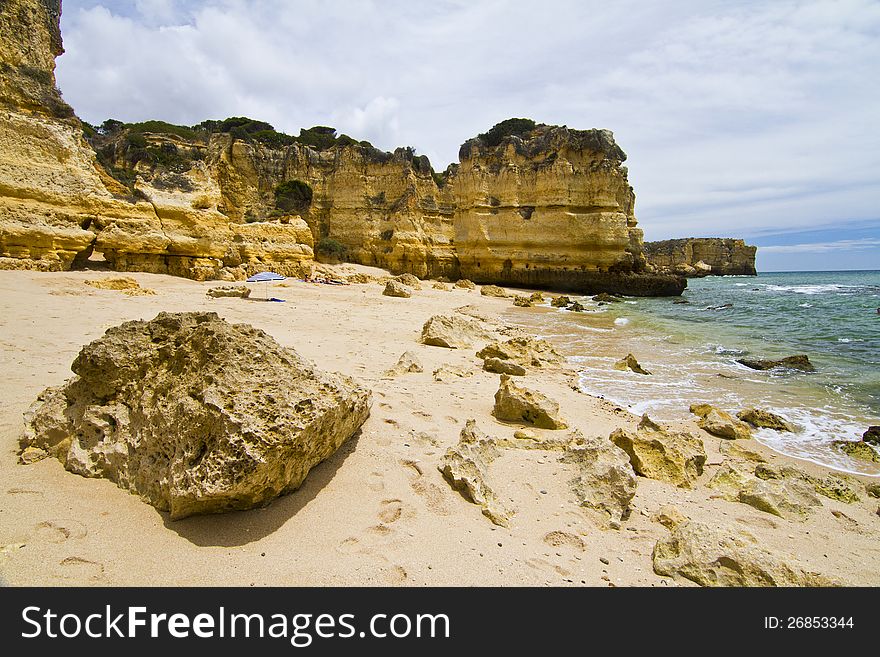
[(692, 348)]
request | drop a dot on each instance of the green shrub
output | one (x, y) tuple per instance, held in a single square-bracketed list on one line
[(162, 127), (319, 137), (273, 139), (135, 140), (518, 127), (293, 196), (331, 248)]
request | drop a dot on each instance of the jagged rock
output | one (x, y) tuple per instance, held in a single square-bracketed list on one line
[(787, 497), (873, 490), (872, 435), (736, 450), (498, 366), (720, 423), (242, 291), (451, 373), (446, 287), (536, 297), (522, 302), (669, 517), (409, 280), (118, 283), (194, 414), (360, 278), (560, 302), (830, 486), (630, 363), (658, 453), (408, 363), (526, 351), (452, 331), (605, 480), (765, 419), (515, 404), (465, 467), (607, 298), (493, 291), (858, 450), (716, 556), (396, 289), (576, 307), (465, 284), (800, 362), (708, 255)]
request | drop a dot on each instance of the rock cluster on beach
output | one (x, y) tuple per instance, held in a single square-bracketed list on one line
[(194, 414), (658, 453)]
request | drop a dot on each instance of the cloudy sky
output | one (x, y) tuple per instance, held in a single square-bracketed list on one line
[(748, 119)]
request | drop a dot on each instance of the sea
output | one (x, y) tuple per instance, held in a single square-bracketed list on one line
[(692, 349)]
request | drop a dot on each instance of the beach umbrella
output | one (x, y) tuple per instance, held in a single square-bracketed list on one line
[(265, 277)]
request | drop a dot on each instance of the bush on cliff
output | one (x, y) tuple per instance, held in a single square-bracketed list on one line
[(517, 127), (293, 196), (330, 249)]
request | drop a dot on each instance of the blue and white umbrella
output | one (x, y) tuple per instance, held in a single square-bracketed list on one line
[(265, 277)]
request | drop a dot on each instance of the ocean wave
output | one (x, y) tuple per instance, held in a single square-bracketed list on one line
[(822, 288), (621, 321)]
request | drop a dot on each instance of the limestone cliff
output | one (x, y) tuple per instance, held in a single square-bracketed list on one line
[(58, 204), (533, 205), (550, 207), (702, 256)]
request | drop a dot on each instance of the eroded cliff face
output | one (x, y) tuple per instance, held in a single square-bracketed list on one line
[(550, 208), (58, 205), (703, 256), (543, 207)]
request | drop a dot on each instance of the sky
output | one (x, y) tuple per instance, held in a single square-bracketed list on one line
[(743, 119)]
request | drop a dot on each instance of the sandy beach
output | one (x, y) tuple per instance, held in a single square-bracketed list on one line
[(378, 512)]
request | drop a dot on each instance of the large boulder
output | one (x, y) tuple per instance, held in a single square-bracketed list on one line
[(522, 302), (498, 366), (524, 406), (658, 453), (800, 362), (560, 302), (720, 423), (452, 331), (789, 497), (194, 414), (465, 284), (717, 556), (872, 435), (493, 291), (857, 450), (465, 467), (409, 280), (526, 351), (242, 291), (762, 419), (395, 288), (605, 480)]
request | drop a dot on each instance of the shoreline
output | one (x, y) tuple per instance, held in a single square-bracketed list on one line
[(378, 512)]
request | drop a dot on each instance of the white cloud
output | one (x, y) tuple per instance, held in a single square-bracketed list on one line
[(824, 247), (737, 116)]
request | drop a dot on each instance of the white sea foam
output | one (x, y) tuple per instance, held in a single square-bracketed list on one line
[(621, 321), (811, 289)]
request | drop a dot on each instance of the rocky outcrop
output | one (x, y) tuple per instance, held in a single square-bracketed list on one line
[(789, 497), (396, 289), (452, 332), (762, 419), (527, 351), (241, 291), (465, 467), (720, 423), (524, 406), (498, 366), (630, 363), (800, 362), (702, 256), (605, 480), (408, 363), (719, 556), (194, 414), (658, 453), (872, 435), (493, 291)]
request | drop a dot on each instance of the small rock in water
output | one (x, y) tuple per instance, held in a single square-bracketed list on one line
[(800, 362), (872, 435)]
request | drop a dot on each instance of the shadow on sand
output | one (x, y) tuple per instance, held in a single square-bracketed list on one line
[(238, 528)]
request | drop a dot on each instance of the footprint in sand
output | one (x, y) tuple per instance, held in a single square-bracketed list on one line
[(58, 531), (559, 539), (391, 511), (77, 568), (396, 575), (436, 499), (375, 482)]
